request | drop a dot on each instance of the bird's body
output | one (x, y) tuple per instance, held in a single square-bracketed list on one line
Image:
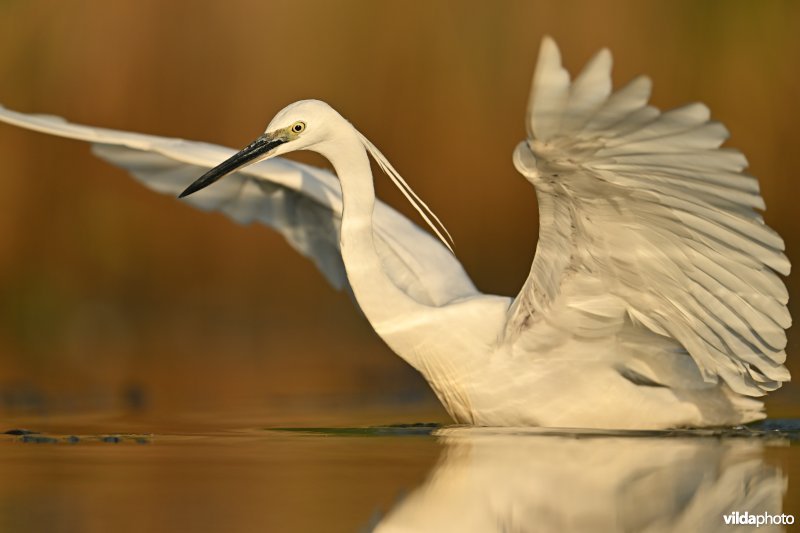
[(651, 302)]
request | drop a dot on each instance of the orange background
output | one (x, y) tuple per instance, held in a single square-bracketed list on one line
[(115, 298)]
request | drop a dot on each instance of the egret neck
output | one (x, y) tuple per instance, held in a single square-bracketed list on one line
[(387, 307)]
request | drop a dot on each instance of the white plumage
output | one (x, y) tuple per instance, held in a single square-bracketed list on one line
[(496, 480), (653, 300)]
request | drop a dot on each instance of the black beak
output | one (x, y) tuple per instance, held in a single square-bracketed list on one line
[(253, 151)]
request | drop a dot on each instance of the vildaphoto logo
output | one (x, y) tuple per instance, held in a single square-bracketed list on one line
[(764, 519)]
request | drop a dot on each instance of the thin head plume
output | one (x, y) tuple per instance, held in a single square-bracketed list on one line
[(421, 207)]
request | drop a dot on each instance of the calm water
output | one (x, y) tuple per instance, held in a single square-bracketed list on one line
[(395, 479)]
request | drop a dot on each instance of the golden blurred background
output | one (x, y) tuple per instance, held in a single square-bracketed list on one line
[(114, 299)]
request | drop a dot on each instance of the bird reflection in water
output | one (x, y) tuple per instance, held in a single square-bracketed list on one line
[(488, 480)]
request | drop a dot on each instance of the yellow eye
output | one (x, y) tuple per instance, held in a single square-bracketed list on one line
[(298, 127)]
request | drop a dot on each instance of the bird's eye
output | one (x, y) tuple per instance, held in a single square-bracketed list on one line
[(298, 127)]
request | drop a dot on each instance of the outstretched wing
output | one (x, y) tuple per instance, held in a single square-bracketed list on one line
[(644, 208), (302, 202)]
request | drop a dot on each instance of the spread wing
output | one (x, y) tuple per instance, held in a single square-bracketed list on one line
[(301, 202), (643, 210)]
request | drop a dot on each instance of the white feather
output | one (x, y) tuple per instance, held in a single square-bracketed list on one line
[(648, 204)]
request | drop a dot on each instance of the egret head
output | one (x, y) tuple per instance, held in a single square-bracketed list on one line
[(312, 125), (299, 126)]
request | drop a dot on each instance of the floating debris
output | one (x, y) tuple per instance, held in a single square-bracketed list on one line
[(38, 439), (20, 432), (35, 437)]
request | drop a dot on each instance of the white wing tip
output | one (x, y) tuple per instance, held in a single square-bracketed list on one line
[(603, 55), (549, 51)]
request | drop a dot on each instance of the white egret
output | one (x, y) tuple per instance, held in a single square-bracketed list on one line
[(653, 299)]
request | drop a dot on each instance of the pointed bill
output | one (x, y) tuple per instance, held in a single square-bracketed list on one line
[(255, 151)]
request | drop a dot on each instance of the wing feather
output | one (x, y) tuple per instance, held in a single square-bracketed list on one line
[(622, 104), (549, 94), (588, 93), (649, 206), (301, 202)]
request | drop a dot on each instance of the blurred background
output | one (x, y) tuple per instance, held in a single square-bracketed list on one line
[(115, 300)]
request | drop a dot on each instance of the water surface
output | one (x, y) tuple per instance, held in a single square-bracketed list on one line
[(391, 479)]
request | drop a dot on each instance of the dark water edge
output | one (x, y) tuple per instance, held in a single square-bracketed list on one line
[(783, 429), (777, 429)]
